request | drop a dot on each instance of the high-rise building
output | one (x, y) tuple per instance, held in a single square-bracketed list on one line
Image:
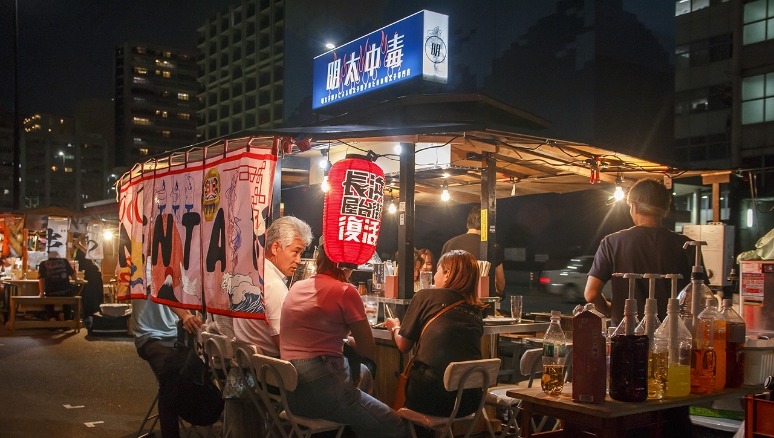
[(241, 68), (155, 106), (724, 83)]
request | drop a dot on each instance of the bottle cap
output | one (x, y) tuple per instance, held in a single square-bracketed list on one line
[(729, 303), (710, 302)]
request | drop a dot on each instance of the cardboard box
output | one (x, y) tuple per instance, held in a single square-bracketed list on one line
[(589, 371), (391, 286)]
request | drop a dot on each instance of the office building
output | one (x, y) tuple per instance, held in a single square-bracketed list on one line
[(155, 106), (241, 69)]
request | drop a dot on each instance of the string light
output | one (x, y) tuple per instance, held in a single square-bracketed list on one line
[(391, 206), (445, 191), (513, 190)]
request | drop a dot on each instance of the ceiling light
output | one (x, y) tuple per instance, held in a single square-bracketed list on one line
[(391, 207), (618, 194)]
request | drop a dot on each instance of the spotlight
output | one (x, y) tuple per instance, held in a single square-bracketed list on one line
[(324, 162)]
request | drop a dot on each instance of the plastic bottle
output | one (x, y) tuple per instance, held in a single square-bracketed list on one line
[(736, 332), (657, 363), (686, 300), (677, 349), (609, 336), (703, 355), (629, 355), (554, 343), (719, 338), (361, 288)]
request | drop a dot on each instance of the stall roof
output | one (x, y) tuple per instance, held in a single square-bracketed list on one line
[(472, 125)]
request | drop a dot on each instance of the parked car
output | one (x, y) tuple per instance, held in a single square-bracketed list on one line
[(570, 281)]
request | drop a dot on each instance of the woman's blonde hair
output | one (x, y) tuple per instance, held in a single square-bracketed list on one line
[(463, 274)]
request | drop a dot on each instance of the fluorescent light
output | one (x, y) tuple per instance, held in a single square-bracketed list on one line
[(749, 217), (329, 45)]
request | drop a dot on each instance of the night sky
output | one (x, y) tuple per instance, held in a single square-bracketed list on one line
[(66, 48)]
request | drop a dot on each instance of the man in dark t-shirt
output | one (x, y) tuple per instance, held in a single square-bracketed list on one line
[(54, 275), (471, 242), (646, 248)]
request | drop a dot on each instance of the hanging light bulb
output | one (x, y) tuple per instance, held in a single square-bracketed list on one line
[(619, 193), (325, 186), (392, 208), (513, 190), (445, 192)]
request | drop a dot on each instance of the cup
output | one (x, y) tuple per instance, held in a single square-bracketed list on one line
[(371, 308), (517, 305), (425, 279)]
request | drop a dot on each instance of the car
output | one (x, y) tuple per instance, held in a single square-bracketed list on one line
[(570, 281)]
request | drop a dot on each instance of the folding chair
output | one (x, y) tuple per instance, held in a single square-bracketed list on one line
[(283, 375), (243, 353), (458, 377)]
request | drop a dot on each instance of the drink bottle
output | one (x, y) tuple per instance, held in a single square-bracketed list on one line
[(703, 354), (736, 332), (554, 343)]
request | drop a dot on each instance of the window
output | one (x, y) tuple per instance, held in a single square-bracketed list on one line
[(182, 96), (167, 54), (140, 121), (141, 70), (184, 116), (164, 114), (166, 74), (758, 21), (758, 99), (165, 134), (138, 140), (53, 168), (143, 151), (687, 6), (68, 169), (139, 80)]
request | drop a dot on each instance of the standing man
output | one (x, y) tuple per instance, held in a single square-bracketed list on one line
[(471, 242), (645, 248), (286, 240), (54, 277)]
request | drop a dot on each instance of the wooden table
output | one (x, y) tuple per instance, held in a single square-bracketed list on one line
[(608, 419), (28, 288), (74, 324)]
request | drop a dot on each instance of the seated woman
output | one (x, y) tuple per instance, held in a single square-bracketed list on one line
[(453, 337), (317, 315), (429, 260), (418, 263)]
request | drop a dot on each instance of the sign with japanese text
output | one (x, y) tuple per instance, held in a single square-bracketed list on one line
[(352, 214), (415, 46), (192, 236)]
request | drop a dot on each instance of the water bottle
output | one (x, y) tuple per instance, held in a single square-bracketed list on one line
[(736, 333), (554, 343)]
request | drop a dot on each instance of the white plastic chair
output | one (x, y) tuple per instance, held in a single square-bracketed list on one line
[(283, 375), (458, 377)]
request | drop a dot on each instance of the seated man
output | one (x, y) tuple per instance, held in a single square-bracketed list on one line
[(54, 281)]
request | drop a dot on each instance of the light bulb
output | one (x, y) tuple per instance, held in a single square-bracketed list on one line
[(398, 149), (323, 163), (329, 45), (513, 190), (445, 195), (619, 194), (325, 186), (107, 235), (391, 208)]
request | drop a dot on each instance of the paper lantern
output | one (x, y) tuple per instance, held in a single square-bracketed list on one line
[(352, 215)]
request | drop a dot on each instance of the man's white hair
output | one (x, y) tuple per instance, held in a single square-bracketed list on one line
[(287, 228)]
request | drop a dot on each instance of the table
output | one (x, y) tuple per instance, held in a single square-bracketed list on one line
[(28, 288), (492, 330), (608, 419), (74, 324)]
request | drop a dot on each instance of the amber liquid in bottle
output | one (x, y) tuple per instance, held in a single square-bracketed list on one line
[(552, 381), (719, 344), (702, 371), (735, 355), (629, 368)]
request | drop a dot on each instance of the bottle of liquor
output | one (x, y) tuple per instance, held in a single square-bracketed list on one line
[(554, 343), (703, 355), (736, 332)]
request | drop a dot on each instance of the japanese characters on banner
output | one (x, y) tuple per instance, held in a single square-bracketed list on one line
[(352, 213), (199, 232), (94, 232), (56, 236)]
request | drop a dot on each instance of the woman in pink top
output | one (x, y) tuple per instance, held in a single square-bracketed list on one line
[(317, 315)]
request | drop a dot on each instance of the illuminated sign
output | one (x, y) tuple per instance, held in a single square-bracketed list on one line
[(416, 45)]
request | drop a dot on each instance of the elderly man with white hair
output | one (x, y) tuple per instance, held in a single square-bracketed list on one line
[(286, 240)]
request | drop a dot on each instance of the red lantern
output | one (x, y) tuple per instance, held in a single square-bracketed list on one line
[(352, 215)]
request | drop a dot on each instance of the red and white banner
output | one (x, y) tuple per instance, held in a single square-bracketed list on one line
[(203, 234)]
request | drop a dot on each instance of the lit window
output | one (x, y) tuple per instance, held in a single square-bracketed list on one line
[(6, 191), (68, 169), (61, 121), (184, 116), (167, 74), (158, 72), (167, 54), (182, 96), (140, 121), (758, 99), (164, 114), (165, 133), (53, 168), (138, 80), (758, 21), (141, 70), (143, 151), (140, 49)]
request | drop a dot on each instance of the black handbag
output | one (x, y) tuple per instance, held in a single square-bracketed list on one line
[(187, 376)]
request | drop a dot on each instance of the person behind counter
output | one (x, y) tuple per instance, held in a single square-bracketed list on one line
[(54, 281), (471, 242), (318, 313), (454, 336)]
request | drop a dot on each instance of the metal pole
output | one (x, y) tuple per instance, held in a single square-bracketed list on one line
[(16, 115), (406, 222), (489, 215)]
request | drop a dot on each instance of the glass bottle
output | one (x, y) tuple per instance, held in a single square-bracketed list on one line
[(629, 358), (674, 340), (554, 343), (703, 354), (736, 332)]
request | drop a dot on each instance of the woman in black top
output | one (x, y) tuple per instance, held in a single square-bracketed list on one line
[(453, 337)]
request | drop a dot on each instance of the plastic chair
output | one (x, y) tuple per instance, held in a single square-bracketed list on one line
[(218, 351), (457, 377), (283, 375), (243, 353)]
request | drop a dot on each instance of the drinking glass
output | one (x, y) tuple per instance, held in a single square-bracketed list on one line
[(425, 279), (371, 308), (517, 303)]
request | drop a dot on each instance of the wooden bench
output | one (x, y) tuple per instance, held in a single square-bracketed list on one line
[(74, 324)]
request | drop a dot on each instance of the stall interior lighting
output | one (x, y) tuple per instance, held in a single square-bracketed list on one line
[(324, 162), (445, 191), (391, 206), (325, 186), (107, 235), (619, 193), (398, 149)]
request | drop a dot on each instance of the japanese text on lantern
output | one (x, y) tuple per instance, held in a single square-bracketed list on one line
[(361, 207)]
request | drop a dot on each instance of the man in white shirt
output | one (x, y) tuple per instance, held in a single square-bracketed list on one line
[(286, 240)]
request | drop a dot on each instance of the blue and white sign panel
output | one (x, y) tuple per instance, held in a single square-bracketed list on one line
[(416, 45)]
